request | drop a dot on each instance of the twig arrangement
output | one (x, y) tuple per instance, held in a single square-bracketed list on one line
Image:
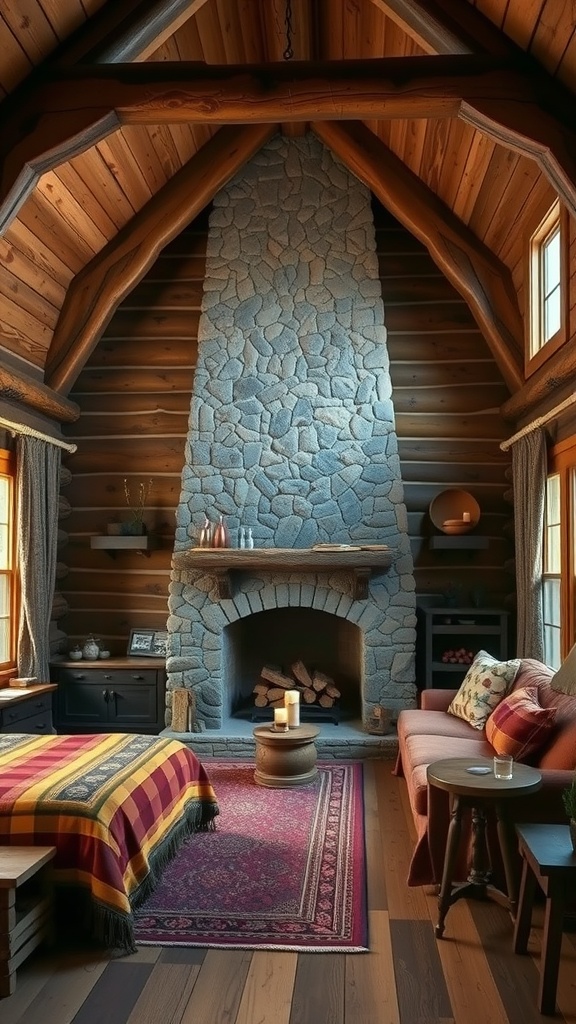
[(137, 505)]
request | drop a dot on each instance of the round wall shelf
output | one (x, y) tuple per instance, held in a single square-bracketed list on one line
[(454, 511)]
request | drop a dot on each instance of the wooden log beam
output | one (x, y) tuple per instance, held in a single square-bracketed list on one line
[(447, 26), (17, 387), (303, 43), (528, 112), (479, 276), (135, 36), (98, 289), (545, 384)]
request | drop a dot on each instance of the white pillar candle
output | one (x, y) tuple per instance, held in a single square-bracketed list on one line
[(465, 517), (280, 719), (292, 705)]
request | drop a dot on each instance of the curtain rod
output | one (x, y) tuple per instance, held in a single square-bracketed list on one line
[(21, 428), (539, 421)]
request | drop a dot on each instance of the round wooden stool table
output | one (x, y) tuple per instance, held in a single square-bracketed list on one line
[(285, 759), (479, 792)]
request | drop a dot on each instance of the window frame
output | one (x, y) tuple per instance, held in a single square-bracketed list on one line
[(8, 468), (562, 461), (538, 351)]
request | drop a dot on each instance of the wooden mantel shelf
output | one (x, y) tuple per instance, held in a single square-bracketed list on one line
[(222, 563)]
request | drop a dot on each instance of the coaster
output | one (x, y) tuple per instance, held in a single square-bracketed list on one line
[(479, 769)]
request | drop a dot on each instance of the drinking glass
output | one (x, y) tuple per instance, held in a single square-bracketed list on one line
[(503, 765)]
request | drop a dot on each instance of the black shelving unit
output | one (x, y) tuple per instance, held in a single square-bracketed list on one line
[(443, 629)]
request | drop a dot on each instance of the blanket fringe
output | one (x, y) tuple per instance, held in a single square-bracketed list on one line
[(111, 928)]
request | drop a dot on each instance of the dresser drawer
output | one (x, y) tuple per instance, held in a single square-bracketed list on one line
[(40, 724), (17, 717), (107, 677)]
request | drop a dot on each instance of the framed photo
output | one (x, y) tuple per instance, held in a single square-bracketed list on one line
[(147, 643)]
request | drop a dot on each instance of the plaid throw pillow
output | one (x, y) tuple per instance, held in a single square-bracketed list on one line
[(519, 725), (485, 684)]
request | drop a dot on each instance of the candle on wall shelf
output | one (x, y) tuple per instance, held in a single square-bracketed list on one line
[(465, 517), (281, 719), (292, 705)]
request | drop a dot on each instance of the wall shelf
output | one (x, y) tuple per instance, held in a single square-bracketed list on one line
[(221, 563), (112, 544), (461, 542)]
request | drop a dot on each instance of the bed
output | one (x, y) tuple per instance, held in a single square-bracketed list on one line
[(115, 806)]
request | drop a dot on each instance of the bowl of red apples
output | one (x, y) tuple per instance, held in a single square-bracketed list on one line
[(458, 657)]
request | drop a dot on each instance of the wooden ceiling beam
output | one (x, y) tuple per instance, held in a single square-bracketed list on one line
[(140, 34), (447, 26), (303, 43), (524, 112), (18, 387), (477, 274), (96, 292), (557, 372)]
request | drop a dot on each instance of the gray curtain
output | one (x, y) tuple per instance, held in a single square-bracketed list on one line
[(37, 486), (529, 469)]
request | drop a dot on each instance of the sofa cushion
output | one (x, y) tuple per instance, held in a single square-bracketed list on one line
[(416, 722), (560, 753), (485, 684), (519, 725), (420, 751), (564, 679)]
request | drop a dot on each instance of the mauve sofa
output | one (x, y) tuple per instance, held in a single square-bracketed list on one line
[(429, 734)]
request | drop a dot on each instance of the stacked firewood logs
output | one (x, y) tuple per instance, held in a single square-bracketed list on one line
[(314, 687)]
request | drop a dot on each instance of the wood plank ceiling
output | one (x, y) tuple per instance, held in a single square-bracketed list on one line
[(65, 224)]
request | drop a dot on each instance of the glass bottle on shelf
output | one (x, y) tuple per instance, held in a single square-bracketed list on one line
[(205, 535), (221, 538)]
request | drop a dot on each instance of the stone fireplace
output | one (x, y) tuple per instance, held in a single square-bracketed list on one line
[(292, 433)]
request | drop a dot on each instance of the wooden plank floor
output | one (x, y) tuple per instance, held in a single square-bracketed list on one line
[(470, 977)]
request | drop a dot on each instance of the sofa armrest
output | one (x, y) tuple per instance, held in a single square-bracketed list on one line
[(436, 699)]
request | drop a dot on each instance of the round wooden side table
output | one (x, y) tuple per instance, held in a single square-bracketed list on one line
[(479, 792), (285, 759)]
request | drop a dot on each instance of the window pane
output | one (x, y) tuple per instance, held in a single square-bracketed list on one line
[(553, 499), (551, 259), (553, 550), (4, 547), (4, 499), (4, 640), (551, 601), (552, 646), (552, 321)]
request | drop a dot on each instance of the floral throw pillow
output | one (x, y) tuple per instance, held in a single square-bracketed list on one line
[(519, 725), (485, 684)]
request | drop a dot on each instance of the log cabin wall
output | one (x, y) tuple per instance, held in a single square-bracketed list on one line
[(447, 391), (134, 395)]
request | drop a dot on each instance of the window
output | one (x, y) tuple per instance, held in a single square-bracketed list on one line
[(551, 573), (559, 554), (8, 578), (547, 288)]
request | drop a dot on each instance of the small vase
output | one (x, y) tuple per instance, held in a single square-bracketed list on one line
[(572, 825), (221, 538), (133, 528), (91, 650)]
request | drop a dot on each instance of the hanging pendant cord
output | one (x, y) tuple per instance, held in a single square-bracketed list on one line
[(288, 52)]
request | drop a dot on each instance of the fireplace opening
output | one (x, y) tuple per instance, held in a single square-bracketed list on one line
[(282, 636)]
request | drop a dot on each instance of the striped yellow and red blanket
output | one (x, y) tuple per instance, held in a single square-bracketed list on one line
[(115, 806)]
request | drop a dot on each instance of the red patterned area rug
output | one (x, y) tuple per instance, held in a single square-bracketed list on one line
[(284, 869)]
